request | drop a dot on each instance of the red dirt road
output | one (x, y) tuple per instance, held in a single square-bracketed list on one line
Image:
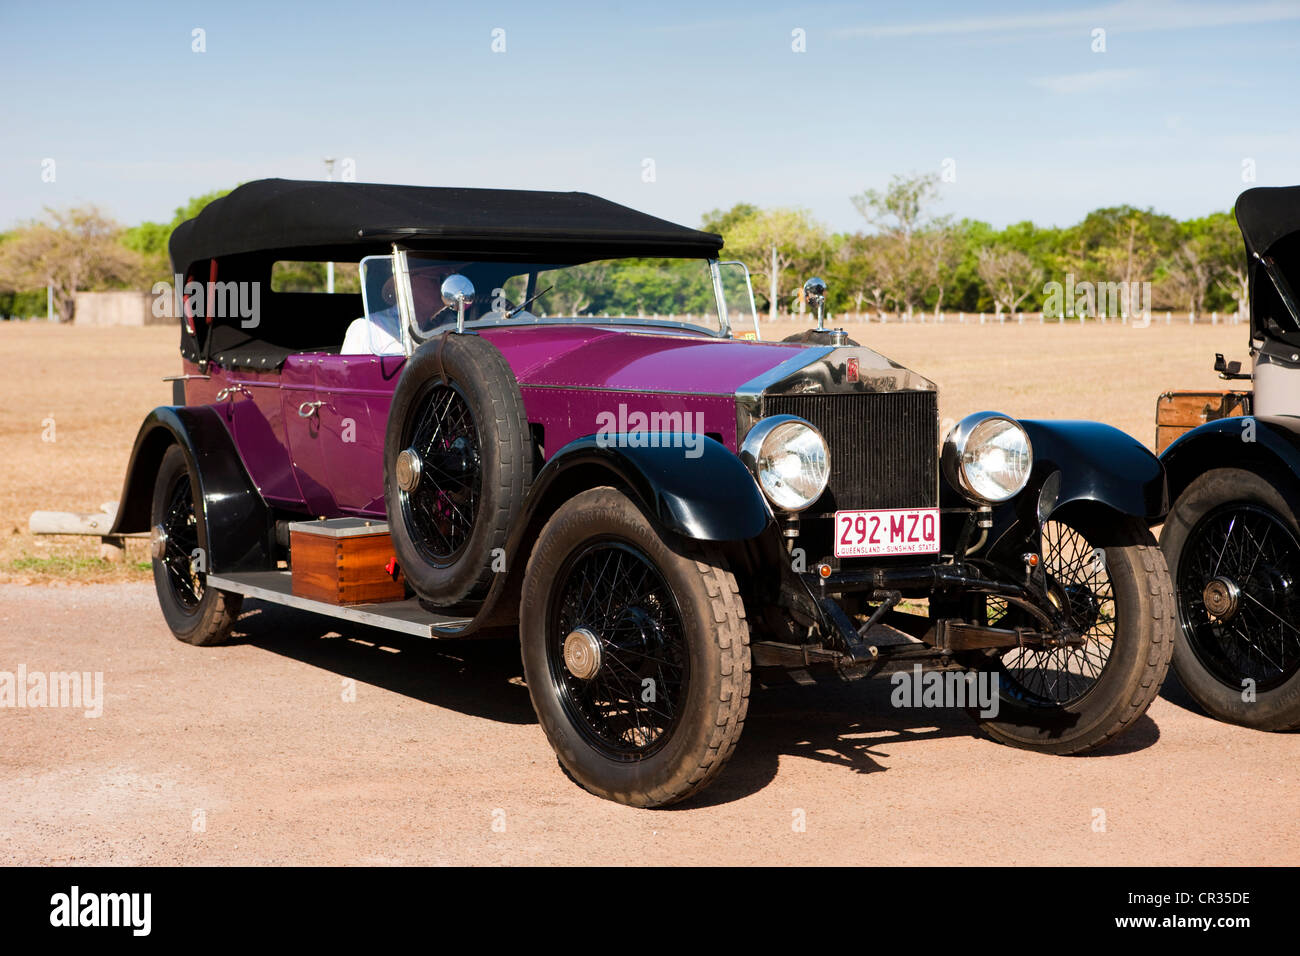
[(251, 754)]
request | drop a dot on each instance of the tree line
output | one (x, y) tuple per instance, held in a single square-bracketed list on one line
[(909, 259), (906, 258)]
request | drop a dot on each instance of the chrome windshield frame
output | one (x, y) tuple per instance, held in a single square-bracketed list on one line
[(716, 266), (720, 299), (405, 304), (406, 307)]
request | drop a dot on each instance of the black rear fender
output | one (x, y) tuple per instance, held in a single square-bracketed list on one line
[(239, 527)]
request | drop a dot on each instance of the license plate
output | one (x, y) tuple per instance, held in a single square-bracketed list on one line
[(869, 534)]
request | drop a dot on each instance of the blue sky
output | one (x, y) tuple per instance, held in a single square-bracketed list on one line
[(1037, 125)]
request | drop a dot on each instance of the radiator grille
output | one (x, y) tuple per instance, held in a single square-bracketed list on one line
[(884, 446)]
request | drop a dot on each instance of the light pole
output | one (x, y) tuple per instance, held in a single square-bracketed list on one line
[(329, 266)]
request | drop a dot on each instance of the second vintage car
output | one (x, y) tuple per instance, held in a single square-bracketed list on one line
[(1233, 460), (535, 417)]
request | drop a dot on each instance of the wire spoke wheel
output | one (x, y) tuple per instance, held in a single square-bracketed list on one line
[(181, 527), (442, 508), (1237, 596), (1079, 582), (616, 616)]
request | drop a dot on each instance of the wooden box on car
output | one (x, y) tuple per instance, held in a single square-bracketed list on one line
[(343, 561), (1179, 412)]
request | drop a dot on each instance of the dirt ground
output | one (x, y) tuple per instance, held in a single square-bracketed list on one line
[(302, 743), (251, 754)]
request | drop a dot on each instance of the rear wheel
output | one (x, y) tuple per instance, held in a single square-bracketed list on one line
[(195, 613), (1233, 545), (636, 654), (1107, 571)]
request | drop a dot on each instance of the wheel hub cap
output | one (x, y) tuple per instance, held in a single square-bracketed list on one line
[(582, 655), (407, 470), (1222, 597), (158, 543)]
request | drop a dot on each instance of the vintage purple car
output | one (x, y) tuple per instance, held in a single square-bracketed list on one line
[(543, 400)]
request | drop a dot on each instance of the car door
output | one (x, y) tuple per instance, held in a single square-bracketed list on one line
[(250, 402), (301, 409), (355, 392)]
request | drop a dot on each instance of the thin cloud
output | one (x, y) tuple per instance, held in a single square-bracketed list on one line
[(1091, 81), (1131, 16)]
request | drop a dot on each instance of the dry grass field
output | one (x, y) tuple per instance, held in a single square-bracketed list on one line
[(95, 385)]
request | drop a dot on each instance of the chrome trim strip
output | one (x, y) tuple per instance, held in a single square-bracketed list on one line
[(804, 357), (749, 396)]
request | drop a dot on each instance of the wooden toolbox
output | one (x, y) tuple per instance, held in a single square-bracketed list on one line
[(1179, 412), (344, 561)]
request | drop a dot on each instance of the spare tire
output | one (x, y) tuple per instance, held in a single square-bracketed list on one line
[(458, 460)]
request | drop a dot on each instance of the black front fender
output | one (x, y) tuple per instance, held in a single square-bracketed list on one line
[(238, 523), (1101, 464), (1086, 463), (709, 496)]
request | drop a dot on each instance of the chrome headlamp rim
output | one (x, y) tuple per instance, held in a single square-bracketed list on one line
[(751, 449), (952, 458)]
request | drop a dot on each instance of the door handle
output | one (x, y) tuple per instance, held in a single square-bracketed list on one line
[(308, 409), (230, 390)]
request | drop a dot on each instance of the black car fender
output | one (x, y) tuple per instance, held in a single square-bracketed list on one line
[(1249, 442), (706, 497), (1079, 462), (704, 493), (239, 529)]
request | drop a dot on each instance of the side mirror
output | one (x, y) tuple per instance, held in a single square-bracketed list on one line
[(814, 293), (457, 293)]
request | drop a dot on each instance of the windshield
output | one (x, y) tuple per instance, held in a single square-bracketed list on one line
[(680, 291)]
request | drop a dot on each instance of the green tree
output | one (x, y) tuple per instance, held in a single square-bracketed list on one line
[(772, 242), (916, 252), (71, 250), (149, 239)]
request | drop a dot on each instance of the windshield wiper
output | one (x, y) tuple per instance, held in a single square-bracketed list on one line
[(529, 301)]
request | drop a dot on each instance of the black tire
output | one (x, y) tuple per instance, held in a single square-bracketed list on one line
[(681, 602), (1072, 701), (195, 613), (1259, 640), (459, 400)]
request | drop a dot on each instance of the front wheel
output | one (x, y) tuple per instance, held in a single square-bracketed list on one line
[(635, 653), (1110, 575), (1233, 545)]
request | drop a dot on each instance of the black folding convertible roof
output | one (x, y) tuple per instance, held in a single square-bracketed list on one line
[(1268, 214), (293, 219), (1269, 219)]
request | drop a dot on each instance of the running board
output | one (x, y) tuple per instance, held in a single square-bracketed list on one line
[(277, 588)]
